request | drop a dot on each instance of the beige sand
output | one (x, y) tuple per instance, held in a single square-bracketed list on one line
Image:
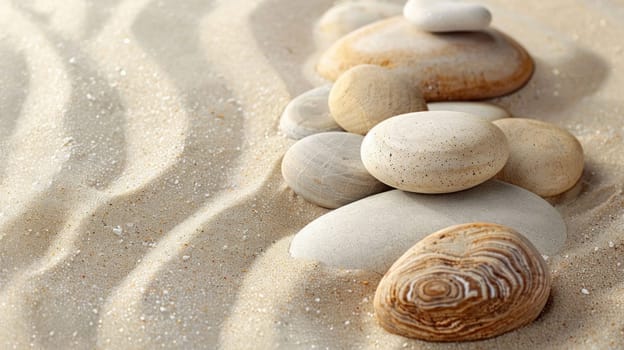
[(141, 204)]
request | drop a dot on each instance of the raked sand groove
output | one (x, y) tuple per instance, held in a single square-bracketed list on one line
[(30, 166), (164, 221), (133, 289), (173, 236), (61, 247)]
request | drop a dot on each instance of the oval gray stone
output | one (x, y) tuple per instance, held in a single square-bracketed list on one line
[(372, 233), (308, 114), (326, 169)]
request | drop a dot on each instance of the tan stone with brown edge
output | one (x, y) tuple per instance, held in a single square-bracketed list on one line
[(452, 66)]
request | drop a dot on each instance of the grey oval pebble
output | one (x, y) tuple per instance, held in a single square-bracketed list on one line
[(308, 114), (326, 169), (372, 233)]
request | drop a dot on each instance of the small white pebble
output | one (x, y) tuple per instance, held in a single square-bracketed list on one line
[(611, 244), (118, 230), (584, 291), (185, 257)]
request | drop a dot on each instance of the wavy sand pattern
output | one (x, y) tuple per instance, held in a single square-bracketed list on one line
[(141, 203)]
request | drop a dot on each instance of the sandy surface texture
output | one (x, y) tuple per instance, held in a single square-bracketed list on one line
[(141, 201)]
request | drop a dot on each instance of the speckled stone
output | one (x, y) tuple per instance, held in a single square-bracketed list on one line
[(441, 16), (487, 111), (450, 67), (544, 158), (366, 95), (372, 233), (308, 114), (434, 152), (326, 169)]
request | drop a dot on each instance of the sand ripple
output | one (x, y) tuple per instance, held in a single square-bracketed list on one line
[(141, 203)]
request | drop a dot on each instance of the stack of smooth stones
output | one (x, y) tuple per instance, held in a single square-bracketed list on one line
[(441, 195)]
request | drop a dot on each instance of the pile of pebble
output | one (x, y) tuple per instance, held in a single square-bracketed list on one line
[(444, 198)]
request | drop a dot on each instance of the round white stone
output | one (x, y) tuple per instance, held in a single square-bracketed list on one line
[(308, 114), (434, 152), (447, 15)]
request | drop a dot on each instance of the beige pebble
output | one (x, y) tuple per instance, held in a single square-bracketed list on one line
[(544, 158), (487, 111), (449, 67), (434, 152), (366, 95), (326, 169), (467, 282)]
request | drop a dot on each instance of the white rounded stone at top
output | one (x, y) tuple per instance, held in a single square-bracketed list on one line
[(372, 233), (447, 15), (434, 152), (487, 111), (308, 114)]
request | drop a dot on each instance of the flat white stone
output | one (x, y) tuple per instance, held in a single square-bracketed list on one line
[(372, 233), (487, 111), (308, 114), (447, 15)]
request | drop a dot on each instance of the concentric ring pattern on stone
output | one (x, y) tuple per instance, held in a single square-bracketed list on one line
[(465, 282)]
